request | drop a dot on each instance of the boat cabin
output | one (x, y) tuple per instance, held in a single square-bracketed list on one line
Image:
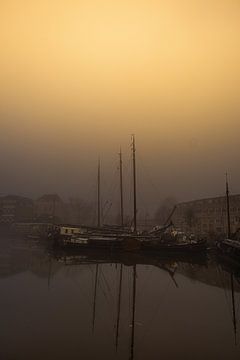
[(69, 230)]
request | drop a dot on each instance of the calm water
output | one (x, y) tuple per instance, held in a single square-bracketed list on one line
[(80, 307)]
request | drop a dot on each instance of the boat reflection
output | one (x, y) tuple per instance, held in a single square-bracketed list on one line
[(196, 267), (118, 305), (165, 262), (230, 276)]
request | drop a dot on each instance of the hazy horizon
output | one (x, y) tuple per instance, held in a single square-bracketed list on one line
[(78, 78)]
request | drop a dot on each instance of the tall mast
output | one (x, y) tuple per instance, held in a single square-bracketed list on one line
[(133, 311), (134, 185), (54, 209), (121, 187), (95, 298), (233, 308), (228, 209), (98, 195), (119, 306), (49, 272)]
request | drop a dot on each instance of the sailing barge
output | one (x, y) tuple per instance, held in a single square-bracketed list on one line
[(229, 247), (120, 238), (117, 239), (195, 246)]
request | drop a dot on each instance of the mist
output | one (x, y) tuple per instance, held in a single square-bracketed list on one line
[(78, 80)]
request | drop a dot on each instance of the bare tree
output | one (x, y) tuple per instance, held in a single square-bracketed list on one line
[(80, 211), (165, 209)]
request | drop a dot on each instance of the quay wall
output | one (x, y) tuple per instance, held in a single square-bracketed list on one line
[(208, 217)]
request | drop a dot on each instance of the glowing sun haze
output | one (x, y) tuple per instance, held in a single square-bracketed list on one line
[(77, 77)]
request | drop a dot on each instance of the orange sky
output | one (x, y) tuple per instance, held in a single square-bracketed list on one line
[(85, 74)]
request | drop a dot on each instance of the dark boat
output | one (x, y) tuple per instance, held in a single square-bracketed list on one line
[(107, 242), (195, 247), (123, 239), (97, 255), (104, 237), (139, 244), (232, 272), (192, 246), (229, 247)]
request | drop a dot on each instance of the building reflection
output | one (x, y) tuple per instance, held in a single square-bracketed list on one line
[(118, 280)]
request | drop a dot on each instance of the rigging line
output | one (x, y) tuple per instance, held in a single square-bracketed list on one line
[(113, 182), (127, 169), (233, 306), (102, 318), (104, 293), (238, 311), (100, 313), (100, 285), (119, 306), (126, 299), (146, 171), (94, 206), (134, 293), (224, 290), (144, 204), (91, 271), (104, 281), (104, 216), (129, 294), (95, 297), (237, 303), (112, 199), (105, 210), (85, 295), (156, 313), (144, 207), (90, 268)]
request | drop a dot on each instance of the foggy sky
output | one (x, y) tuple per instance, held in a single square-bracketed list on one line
[(78, 77)]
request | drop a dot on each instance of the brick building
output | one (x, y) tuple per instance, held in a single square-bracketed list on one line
[(15, 208), (208, 216), (49, 208)]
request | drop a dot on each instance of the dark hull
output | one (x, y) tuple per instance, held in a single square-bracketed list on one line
[(193, 248), (228, 263), (228, 251), (83, 256), (134, 244)]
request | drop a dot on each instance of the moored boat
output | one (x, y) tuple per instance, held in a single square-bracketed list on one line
[(125, 239), (230, 246), (191, 247), (175, 241)]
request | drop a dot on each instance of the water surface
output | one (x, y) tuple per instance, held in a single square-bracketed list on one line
[(91, 306)]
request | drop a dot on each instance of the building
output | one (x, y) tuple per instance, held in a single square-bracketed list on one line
[(49, 208), (208, 216), (15, 208)]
